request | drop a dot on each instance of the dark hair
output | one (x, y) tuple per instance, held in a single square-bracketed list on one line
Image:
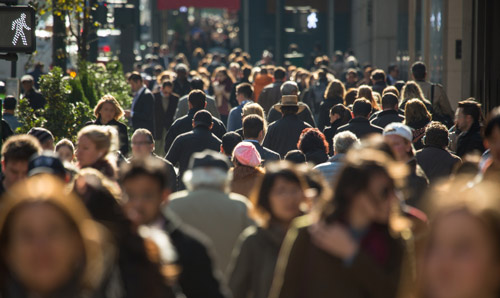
[(20, 148), (229, 142), (391, 67), (350, 96), (361, 107), (295, 156), (472, 108), (312, 139), (389, 101), (289, 110), (43, 135), (148, 166), (252, 126), (197, 98), (247, 71), (197, 83), (135, 76), (167, 83), (279, 73), (493, 121), (342, 111), (9, 103), (436, 134), (419, 70), (204, 118), (378, 75), (260, 199), (246, 89)]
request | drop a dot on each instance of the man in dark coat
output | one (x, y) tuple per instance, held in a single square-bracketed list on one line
[(253, 132), (390, 112), (181, 83), (360, 125), (197, 101), (467, 119), (197, 140), (183, 106), (146, 178), (283, 135), (271, 94), (436, 161), (378, 80), (142, 110), (165, 106), (34, 97), (291, 88)]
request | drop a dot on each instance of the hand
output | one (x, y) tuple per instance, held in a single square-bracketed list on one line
[(127, 113), (334, 239)]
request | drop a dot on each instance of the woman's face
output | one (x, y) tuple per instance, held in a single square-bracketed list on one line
[(285, 199), (87, 153), (376, 201), (107, 112), (65, 153), (461, 260), (44, 250)]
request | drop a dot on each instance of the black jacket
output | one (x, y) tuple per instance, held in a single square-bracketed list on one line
[(436, 162), (306, 115), (6, 130), (330, 131), (470, 141), (316, 156), (185, 124), (417, 183), (144, 112), (283, 135), (384, 118), (36, 99), (197, 140), (360, 127), (164, 119), (265, 154), (196, 278), (122, 133), (324, 111), (181, 87)]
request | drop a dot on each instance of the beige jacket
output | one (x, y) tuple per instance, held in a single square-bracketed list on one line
[(220, 216), (440, 103)]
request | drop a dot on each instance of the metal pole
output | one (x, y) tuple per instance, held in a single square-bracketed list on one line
[(331, 27), (279, 31), (426, 34), (412, 11)]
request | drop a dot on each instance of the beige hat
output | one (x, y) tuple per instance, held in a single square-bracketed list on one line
[(289, 101)]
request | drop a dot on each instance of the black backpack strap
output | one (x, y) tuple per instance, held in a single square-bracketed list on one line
[(432, 93)]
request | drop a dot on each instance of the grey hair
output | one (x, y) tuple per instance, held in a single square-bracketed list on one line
[(343, 141), (289, 88), (207, 177)]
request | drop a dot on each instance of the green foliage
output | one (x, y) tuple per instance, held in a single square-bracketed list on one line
[(88, 83), (28, 117), (77, 94)]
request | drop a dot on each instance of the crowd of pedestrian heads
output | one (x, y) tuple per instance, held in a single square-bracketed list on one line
[(258, 181)]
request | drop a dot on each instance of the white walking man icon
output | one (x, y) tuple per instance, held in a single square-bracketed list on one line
[(19, 25)]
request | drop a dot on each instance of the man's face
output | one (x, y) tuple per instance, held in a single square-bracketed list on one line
[(395, 72), (167, 91), (143, 199), (141, 146), (14, 171), (352, 78), (27, 85), (462, 121), (400, 147), (135, 85)]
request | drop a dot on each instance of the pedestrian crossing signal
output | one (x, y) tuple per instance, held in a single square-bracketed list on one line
[(17, 29)]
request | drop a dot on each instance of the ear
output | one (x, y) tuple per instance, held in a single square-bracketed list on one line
[(261, 134), (193, 123), (205, 105), (3, 164), (211, 126), (221, 149), (485, 143)]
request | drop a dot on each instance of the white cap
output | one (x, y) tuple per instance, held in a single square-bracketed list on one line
[(399, 129)]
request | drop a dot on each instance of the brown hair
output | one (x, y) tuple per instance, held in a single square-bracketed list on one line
[(48, 190), (20, 148), (415, 111), (366, 92), (108, 98), (335, 89)]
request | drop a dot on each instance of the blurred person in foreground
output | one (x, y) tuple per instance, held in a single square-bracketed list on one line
[(208, 206), (491, 167), (16, 154), (66, 150), (399, 137), (352, 248), (277, 200), (146, 191), (462, 258), (51, 246), (108, 112)]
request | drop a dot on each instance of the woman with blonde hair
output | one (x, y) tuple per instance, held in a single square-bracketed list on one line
[(108, 111), (417, 117), (50, 245), (334, 94), (410, 91), (96, 148), (366, 92)]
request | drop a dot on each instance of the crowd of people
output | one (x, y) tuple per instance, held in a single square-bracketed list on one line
[(258, 181)]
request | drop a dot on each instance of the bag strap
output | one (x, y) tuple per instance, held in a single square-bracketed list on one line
[(432, 93)]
